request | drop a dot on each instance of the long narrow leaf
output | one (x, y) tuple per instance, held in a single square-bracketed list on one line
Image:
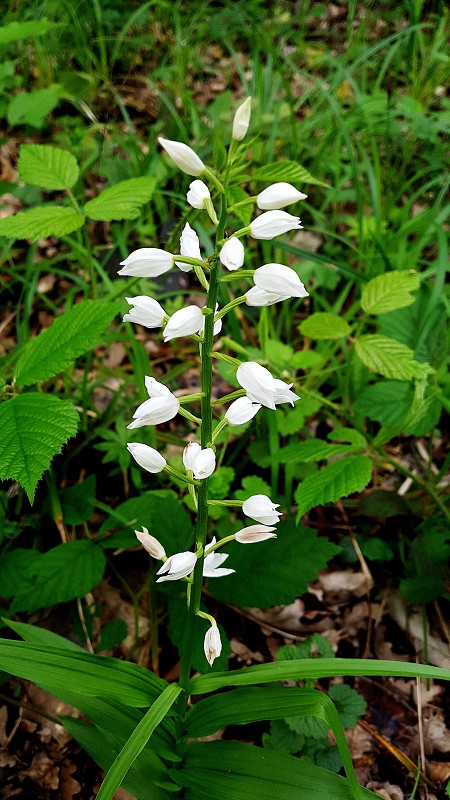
[(56, 668), (137, 741), (251, 705), (237, 771), (303, 669)]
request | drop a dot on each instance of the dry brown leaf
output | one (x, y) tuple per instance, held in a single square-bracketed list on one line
[(43, 771), (438, 771), (244, 654), (437, 649), (389, 791), (340, 585), (68, 785)]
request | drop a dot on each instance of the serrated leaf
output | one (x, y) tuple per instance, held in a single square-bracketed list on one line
[(17, 31), (389, 358), (288, 171), (34, 427), (274, 572), (347, 435), (282, 738), (49, 167), (324, 325), (122, 201), (38, 223), (338, 479), (64, 573), (72, 334), (389, 291), (349, 704), (31, 108)]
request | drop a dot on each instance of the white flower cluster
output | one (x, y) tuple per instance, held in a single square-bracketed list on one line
[(273, 283)]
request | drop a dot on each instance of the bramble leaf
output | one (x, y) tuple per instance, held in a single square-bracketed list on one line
[(121, 201), (49, 167), (389, 291), (336, 480), (38, 223)]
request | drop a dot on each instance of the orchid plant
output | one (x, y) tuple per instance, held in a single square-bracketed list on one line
[(144, 731), (272, 283)]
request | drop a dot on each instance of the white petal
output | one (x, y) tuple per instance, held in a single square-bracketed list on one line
[(183, 156)]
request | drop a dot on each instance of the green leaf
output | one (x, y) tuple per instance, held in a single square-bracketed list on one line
[(282, 738), (13, 566), (396, 405), (288, 171), (274, 572), (160, 511), (137, 741), (31, 108), (17, 31), (77, 502), (389, 358), (122, 201), (336, 480), (104, 749), (49, 167), (237, 771), (349, 704), (421, 326), (389, 291), (323, 325), (241, 706), (310, 451), (111, 634), (38, 223), (72, 334), (98, 676), (64, 573), (252, 484), (382, 503), (34, 428), (312, 669)]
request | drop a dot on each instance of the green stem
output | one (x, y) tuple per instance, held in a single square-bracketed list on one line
[(206, 441)]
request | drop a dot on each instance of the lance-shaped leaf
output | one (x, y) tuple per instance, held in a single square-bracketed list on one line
[(236, 771), (137, 741), (71, 335), (122, 201), (57, 668), (252, 705), (389, 291), (17, 31), (49, 167), (38, 223), (34, 428)]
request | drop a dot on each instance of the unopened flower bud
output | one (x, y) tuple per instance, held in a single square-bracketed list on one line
[(212, 644), (278, 195), (145, 311), (232, 254), (255, 533), (183, 156), (241, 410), (151, 544), (261, 508), (197, 194), (185, 322), (259, 297), (147, 457), (189, 246), (273, 223), (241, 119), (147, 262), (279, 279), (201, 462)]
